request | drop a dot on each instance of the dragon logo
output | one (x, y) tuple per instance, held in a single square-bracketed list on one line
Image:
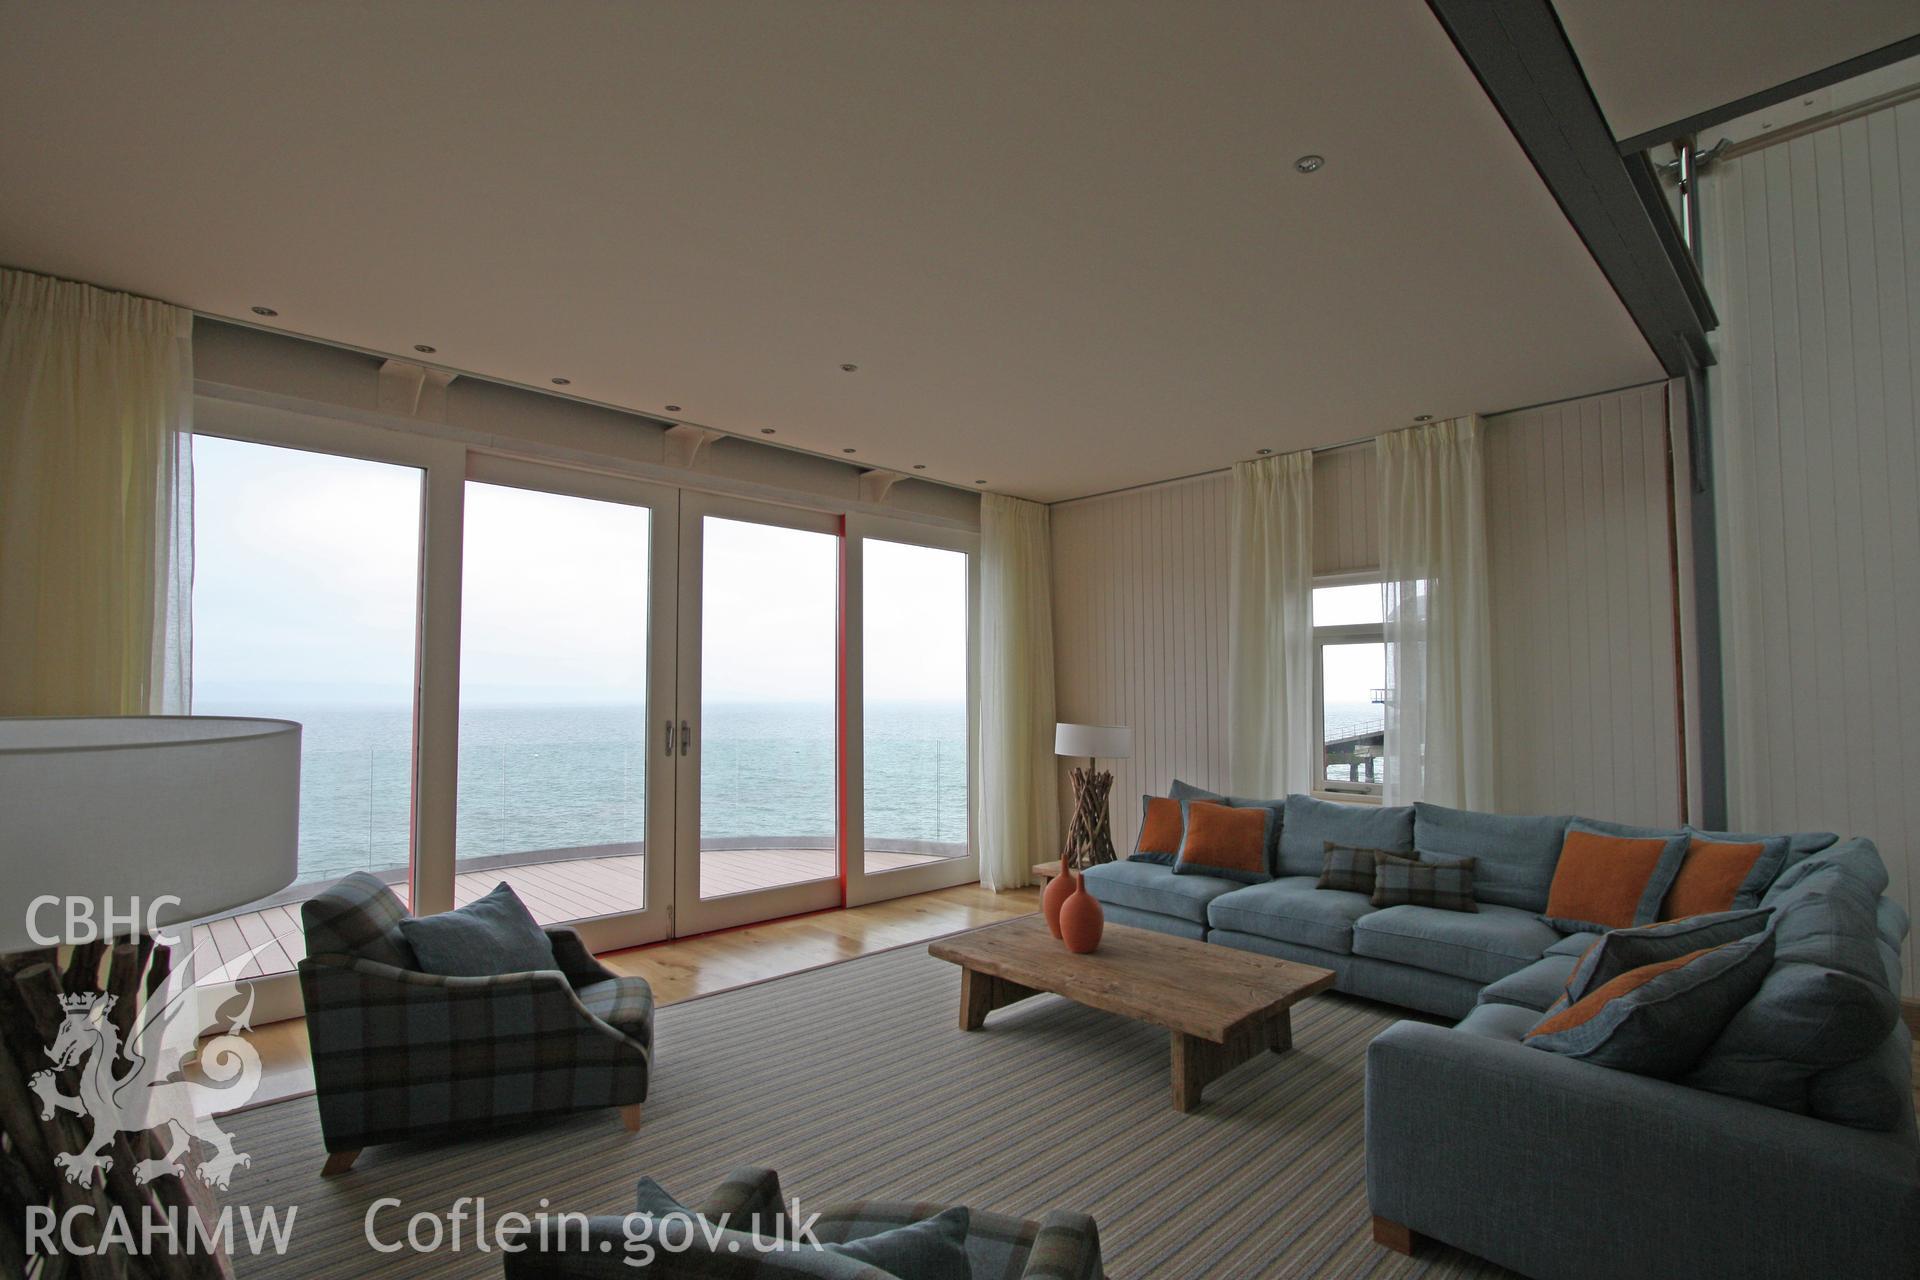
[(140, 1084)]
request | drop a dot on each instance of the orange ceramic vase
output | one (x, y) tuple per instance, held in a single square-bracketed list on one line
[(1058, 890), (1081, 920)]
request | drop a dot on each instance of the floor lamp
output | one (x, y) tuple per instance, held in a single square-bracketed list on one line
[(1089, 834), (116, 828)]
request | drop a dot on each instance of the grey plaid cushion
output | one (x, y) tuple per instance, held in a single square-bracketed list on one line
[(1349, 869), (1401, 881)]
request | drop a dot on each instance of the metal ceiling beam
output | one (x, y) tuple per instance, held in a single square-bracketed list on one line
[(1873, 60), (1523, 60)]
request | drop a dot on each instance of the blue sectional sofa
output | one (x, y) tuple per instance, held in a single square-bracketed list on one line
[(1747, 1166)]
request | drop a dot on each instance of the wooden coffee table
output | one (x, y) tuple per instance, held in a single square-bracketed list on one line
[(1221, 1006)]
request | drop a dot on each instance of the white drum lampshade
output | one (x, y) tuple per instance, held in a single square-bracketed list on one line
[(125, 810), (1093, 741)]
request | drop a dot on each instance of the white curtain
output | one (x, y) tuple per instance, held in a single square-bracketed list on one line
[(96, 493), (1271, 744), (1433, 560), (1019, 797)]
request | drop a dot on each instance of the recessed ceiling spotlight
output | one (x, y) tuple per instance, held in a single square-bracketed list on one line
[(265, 311), (673, 408), (766, 431), (847, 451), (1310, 164), (848, 368), (919, 466), (1264, 452), (1423, 417), (979, 481), (424, 349), (562, 382)]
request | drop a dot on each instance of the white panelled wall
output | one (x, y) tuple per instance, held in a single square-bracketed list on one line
[(1585, 696), (1814, 259), (1140, 634), (1585, 699)]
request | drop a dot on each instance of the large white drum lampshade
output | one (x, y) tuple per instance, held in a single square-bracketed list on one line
[(131, 809)]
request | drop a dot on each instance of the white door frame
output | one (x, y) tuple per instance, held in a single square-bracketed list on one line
[(861, 887), (692, 913), (655, 921)]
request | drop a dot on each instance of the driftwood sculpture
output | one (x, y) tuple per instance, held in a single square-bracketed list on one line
[(134, 1175), (1090, 834)]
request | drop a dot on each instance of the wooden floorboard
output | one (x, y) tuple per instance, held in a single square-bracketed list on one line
[(689, 967)]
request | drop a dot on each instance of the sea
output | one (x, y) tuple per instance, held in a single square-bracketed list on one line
[(567, 776)]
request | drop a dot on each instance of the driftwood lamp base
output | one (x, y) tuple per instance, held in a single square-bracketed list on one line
[(1089, 835), (37, 995)]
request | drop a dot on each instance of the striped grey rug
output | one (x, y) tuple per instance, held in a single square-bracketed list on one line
[(852, 1080)]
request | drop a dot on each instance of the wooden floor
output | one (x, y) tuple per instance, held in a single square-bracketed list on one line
[(689, 967), (555, 892)]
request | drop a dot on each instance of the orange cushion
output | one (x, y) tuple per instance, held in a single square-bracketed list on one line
[(1161, 828), (1601, 878), (1225, 839), (1595, 1000), (1710, 877)]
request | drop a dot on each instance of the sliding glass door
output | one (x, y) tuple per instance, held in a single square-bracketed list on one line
[(652, 712), (760, 682), (566, 661), (909, 712)]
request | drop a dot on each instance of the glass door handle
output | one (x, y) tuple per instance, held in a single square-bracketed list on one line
[(669, 737), (686, 737)]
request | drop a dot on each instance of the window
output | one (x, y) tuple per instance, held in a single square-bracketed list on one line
[(915, 659), (1349, 683), (305, 607), (553, 702)]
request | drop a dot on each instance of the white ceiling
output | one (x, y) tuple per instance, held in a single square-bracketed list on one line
[(1065, 242), (1654, 62)]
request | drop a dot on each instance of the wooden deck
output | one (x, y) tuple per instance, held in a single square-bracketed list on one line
[(555, 892)]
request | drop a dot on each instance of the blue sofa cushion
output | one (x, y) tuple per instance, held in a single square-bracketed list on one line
[(1310, 825), (1482, 947), (1874, 1092), (1292, 909), (1148, 886), (1623, 949), (489, 936), (1893, 922), (1516, 855), (1507, 1022), (1535, 987), (1826, 1003), (1187, 791), (1574, 944), (1661, 1024), (1857, 858)]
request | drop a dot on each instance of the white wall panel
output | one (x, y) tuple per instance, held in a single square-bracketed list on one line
[(1815, 264), (1585, 695), (1583, 621), (1140, 626)]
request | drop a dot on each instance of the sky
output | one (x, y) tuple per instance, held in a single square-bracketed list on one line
[(305, 585)]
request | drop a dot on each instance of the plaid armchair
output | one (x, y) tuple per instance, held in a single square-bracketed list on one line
[(398, 1053), (1058, 1246)]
